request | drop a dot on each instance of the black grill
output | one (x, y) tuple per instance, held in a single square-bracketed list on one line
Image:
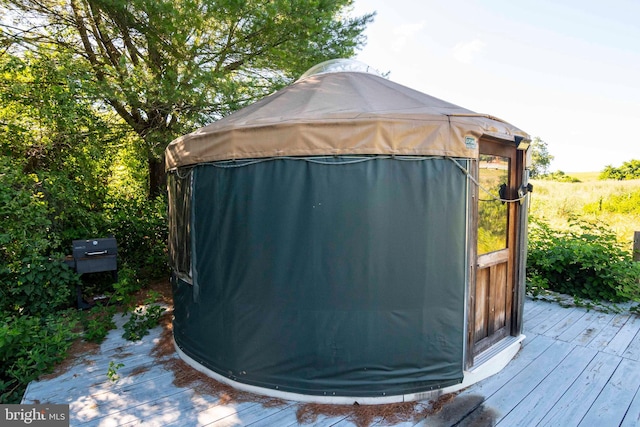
[(93, 256)]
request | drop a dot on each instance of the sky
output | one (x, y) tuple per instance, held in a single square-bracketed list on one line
[(567, 71)]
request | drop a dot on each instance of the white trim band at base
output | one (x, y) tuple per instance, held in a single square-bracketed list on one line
[(488, 367)]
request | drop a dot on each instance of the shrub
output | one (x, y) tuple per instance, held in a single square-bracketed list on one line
[(628, 170), (141, 320), (140, 225), (29, 347), (97, 323), (623, 203), (37, 285), (559, 176), (585, 261), (33, 280), (24, 220), (126, 287)]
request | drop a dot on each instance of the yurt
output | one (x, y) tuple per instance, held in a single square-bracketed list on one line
[(348, 239)]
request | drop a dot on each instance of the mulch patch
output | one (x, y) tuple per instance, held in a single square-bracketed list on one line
[(139, 370), (365, 415), (161, 286), (78, 350)]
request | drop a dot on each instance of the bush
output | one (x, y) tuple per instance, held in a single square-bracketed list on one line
[(141, 320), (24, 213), (140, 225), (628, 170), (29, 347), (97, 322), (558, 176), (32, 279), (37, 285), (625, 203), (584, 261)]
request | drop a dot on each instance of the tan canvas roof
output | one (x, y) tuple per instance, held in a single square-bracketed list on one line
[(341, 113)]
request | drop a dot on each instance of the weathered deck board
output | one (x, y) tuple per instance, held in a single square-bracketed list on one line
[(566, 323), (617, 393), (623, 338), (577, 400), (251, 415), (550, 320), (531, 409), (632, 417), (325, 421), (599, 338), (220, 415), (533, 307), (521, 385), (576, 367), (545, 311), (489, 386), (577, 330), (633, 350), (172, 410)]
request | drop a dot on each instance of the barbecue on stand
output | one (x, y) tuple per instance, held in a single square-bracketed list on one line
[(93, 256)]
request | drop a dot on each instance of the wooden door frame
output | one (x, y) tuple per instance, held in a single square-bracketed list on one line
[(514, 241)]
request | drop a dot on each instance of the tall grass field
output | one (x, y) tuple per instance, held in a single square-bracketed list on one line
[(581, 238), (616, 204)]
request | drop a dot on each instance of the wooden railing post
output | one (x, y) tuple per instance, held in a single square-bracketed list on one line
[(636, 246)]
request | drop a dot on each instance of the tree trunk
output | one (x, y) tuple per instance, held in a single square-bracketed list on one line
[(157, 177)]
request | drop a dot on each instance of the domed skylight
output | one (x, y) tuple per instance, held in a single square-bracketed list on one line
[(339, 66)]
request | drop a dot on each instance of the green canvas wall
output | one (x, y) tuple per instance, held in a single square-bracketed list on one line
[(340, 276)]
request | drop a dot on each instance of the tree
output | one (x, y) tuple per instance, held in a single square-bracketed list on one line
[(168, 66), (540, 158), (52, 133)]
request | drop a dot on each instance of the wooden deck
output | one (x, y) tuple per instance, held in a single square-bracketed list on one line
[(576, 368)]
